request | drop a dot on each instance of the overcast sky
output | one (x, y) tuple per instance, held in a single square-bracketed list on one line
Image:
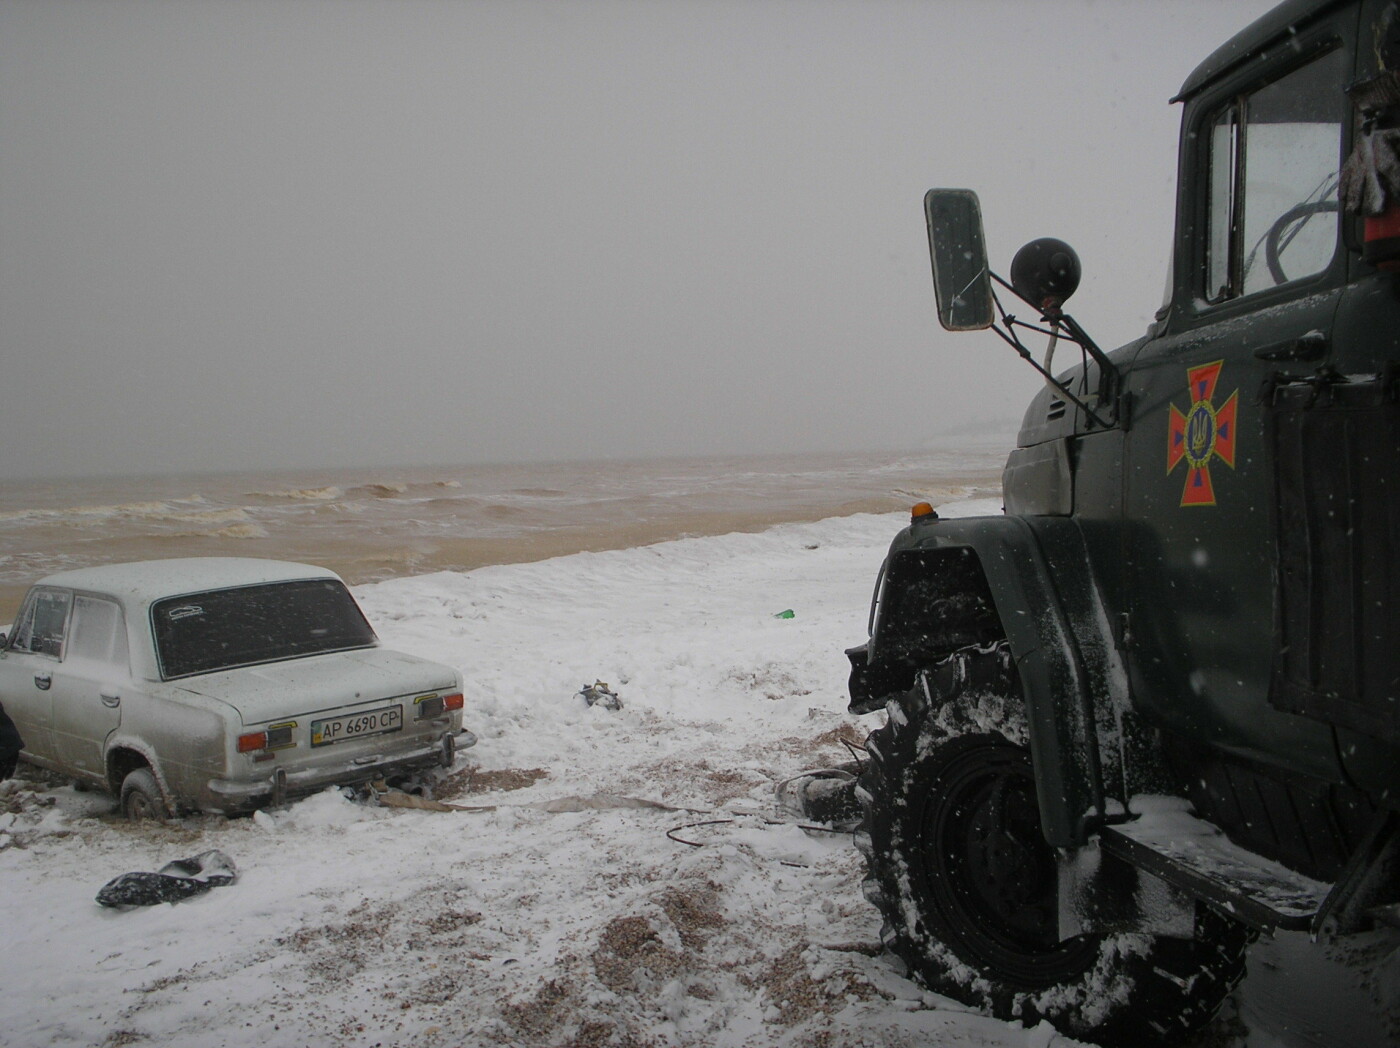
[(266, 233)]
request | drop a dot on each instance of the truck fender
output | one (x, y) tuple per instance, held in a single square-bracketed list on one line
[(1053, 617)]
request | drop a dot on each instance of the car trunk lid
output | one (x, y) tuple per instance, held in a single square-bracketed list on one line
[(322, 684)]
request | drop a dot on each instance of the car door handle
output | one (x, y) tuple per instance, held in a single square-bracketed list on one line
[(43, 681), (112, 701), (1305, 347)]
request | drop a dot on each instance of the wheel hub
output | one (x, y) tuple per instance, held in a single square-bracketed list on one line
[(1008, 868)]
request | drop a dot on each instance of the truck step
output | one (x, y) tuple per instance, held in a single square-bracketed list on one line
[(1196, 857)]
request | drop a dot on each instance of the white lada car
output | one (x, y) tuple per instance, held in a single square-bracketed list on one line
[(217, 684)]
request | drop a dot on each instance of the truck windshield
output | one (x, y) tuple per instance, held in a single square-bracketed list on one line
[(223, 629)]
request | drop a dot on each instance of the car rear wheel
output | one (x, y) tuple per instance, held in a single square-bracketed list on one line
[(141, 797)]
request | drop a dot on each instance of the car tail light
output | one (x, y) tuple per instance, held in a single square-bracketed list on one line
[(436, 705), (275, 737)]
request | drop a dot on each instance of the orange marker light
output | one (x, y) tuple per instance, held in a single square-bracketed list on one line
[(256, 740), (452, 702)]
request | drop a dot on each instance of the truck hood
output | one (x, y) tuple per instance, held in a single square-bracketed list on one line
[(322, 683)]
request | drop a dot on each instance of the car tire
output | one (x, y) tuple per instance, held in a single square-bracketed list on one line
[(141, 797), (966, 883)]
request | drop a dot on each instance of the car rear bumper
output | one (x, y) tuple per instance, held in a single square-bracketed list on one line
[(231, 796)]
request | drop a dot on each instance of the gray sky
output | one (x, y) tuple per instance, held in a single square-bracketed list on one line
[(255, 234)]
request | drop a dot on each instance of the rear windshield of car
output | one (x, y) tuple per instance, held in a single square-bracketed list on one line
[(223, 629)]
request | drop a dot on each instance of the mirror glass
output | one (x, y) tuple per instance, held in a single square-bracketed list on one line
[(959, 253)]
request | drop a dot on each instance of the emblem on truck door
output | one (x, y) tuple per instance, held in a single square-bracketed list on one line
[(1203, 433)]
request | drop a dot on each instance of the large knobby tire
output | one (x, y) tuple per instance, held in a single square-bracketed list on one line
[(966, 882), (141, 797)]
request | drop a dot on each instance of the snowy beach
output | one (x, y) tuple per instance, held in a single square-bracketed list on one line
[(358, 925), (547, 909)]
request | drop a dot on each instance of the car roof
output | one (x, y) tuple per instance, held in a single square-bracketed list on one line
[(150, 580)]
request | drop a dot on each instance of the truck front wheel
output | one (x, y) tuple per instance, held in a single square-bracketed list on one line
[(966, 883)]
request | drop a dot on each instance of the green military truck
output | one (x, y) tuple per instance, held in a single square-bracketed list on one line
[(1153, 710)]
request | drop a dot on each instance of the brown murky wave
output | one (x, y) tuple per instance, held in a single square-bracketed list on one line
[(374, 524)]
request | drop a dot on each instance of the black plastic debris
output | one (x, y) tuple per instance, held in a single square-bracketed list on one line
[(824, 795), (174, 881), (599, 694)]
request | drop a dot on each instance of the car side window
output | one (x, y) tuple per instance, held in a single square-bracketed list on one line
[(1275, 154), (43, 623), (97, 639)]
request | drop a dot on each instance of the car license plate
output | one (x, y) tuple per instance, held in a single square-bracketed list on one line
[(356, 725)]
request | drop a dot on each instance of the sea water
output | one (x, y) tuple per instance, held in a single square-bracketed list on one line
[(378, 523)]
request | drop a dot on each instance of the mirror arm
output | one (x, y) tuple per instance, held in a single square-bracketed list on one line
[(1071, 332), (1110, 381), (1010, 323), (1015, 343), (1108, 372)]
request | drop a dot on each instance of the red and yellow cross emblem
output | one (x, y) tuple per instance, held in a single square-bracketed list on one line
[(1203, 433)]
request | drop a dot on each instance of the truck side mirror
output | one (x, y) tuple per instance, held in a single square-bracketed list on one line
[(960, 277)]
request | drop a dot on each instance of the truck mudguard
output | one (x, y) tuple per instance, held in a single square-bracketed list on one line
[(1052, 615)]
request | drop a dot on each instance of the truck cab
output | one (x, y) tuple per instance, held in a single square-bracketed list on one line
[(1170, 669)]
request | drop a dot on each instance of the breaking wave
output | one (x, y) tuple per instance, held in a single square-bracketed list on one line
[(380, 491), (213, 516), (249, 530), (311, 494), (79, 516), (240, 531)]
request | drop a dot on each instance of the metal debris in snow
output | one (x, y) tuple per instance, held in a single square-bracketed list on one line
[(599, 694)]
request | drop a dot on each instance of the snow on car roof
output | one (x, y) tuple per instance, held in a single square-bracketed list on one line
[(150, 580)]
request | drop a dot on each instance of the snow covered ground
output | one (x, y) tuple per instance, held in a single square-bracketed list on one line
[(514, 924)]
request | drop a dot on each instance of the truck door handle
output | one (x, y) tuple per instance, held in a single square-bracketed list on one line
[(112, 701), (43, 681), (1311, 346)]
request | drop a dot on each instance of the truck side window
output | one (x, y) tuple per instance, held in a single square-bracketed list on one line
[(43, 623), (98, 637), (1274, 158)]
